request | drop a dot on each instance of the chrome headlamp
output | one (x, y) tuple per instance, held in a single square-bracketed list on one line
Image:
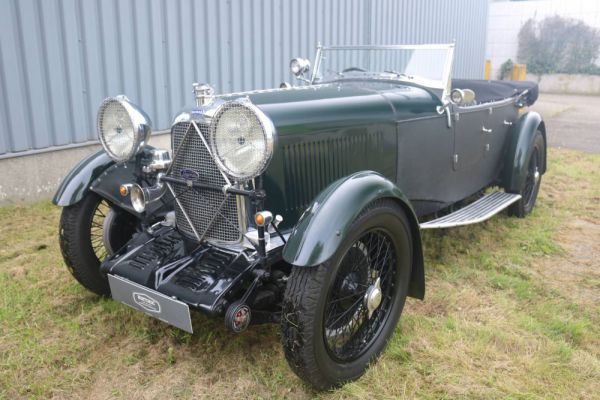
[(299, 66), (123, 128), (242, 139)]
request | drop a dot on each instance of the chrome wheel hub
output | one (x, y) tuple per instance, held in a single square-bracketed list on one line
[(373, 297), (536, 175)]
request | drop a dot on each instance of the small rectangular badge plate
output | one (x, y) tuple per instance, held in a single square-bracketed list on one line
[(151, 302)]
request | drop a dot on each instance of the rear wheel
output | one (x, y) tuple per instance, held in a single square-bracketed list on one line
[(89, 231), (338, 317), (533, 179)]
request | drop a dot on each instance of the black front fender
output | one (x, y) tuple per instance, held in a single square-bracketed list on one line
[(522, 136), (100, 174), (327, 221)]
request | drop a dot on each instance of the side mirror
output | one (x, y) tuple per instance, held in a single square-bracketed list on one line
[(299, 67)]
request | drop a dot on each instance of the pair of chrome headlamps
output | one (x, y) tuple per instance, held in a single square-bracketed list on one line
[(241, 135)]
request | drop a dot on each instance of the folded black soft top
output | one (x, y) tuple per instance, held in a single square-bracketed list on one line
[(486, 91)]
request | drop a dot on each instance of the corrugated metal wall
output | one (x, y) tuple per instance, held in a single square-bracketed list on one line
[(60, 58)]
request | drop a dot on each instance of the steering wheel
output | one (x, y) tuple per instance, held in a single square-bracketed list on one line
[(357, 69)]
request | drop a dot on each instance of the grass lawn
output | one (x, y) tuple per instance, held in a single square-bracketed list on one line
[(512, 310)]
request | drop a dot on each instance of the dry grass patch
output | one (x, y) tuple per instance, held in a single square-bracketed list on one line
[(512, 310)]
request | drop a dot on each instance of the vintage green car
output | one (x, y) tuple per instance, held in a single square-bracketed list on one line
[(301, 205)]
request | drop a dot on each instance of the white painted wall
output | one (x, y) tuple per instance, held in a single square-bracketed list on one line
[(505, 19)]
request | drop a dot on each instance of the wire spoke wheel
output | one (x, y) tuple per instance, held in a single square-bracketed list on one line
[(97, 228), (91, 230), (360, 299), (532, 179), (337, 317)]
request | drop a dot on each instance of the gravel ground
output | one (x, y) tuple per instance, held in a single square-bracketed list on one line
[(571, 121)]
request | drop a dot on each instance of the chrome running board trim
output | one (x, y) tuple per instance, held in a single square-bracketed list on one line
[(478, 211)]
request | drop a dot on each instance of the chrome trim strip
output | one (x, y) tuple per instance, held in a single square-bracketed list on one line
[(483, 106), (209, 151), (420, 118), (432, 46), (273, 90), (317, 65), (187, 218), (447, 79), (242, 214)]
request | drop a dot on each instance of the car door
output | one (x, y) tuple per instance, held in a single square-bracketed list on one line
[(469, 128), (471, 125), (503, 114), (425, 174)]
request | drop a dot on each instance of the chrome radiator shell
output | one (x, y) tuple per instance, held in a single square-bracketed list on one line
[(214, 215)]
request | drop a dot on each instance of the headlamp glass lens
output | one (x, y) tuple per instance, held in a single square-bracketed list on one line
[(240, 142), (116, 131)]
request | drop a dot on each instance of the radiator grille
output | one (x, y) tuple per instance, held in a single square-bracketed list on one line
[(201, 205)]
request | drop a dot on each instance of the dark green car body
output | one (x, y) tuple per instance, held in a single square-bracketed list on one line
[(301, 205), (341, 145), (333, 130)]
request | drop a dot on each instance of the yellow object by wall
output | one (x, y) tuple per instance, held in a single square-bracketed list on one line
[(487, 70), (518, 73)]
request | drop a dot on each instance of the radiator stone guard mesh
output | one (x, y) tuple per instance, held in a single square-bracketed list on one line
[(213, 214)]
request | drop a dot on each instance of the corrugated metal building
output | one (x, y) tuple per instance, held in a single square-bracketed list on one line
[(60, 58)]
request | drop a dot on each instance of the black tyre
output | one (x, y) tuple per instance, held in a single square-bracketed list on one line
[(533, 180), (89, 231), (332, 325), (237, 317)]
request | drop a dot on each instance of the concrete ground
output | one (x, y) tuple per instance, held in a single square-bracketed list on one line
[(572, 121)]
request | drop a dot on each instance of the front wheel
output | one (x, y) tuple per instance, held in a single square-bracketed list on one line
[(89, 231), (338, 317)]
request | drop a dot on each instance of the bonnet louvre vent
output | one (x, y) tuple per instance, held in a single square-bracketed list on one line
[(313, 165)]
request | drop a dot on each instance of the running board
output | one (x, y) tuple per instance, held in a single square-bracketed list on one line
[(478, 211)]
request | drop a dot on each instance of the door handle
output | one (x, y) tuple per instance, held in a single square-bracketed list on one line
[(486, 130)]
